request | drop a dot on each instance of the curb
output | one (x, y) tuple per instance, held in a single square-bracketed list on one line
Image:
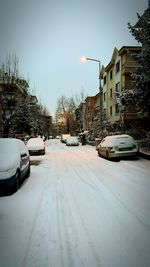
[(144, 154)]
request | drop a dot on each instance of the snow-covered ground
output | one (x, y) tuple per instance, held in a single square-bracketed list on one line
[(78, 210)]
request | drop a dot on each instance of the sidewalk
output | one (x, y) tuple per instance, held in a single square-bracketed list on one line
[(143, 153)]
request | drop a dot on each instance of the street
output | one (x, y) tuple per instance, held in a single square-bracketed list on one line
[(78, 210)]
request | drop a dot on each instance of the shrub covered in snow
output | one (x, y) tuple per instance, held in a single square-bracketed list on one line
[(140, 93)]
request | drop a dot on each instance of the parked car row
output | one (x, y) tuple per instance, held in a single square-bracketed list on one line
[(69, 140), (15, 156)]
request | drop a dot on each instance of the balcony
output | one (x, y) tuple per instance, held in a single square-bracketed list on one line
[(128, 68)]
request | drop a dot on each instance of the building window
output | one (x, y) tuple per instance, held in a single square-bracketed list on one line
[(110, 110), (117, 109), (117, 66), (111, 92), (117, 87), (104, 97), (111, 75), (105, 79)]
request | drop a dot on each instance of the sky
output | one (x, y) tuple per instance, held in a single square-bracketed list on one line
[(49, 37)]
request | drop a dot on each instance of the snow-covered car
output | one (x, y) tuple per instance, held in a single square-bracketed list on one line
[(117, 146), (14, 164), (36, 146), (64, 137), (72, 141)]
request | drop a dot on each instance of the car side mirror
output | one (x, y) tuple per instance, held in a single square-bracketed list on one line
[(23, 155)]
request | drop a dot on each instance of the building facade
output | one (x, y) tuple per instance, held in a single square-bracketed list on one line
[(117, 77)]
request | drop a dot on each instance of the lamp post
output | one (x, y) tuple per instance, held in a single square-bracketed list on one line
[(84, 59)]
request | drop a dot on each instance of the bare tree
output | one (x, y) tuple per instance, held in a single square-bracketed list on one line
[(10, 67), (66, 108), (80, 98), (66, 111)]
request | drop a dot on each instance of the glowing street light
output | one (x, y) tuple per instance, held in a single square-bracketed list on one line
[(84, 59)]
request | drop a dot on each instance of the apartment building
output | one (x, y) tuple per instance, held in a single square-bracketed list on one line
[(116, 79), (90, 102)]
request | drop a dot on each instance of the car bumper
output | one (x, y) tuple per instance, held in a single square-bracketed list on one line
[(37, 152), (7, 185), (73, 144), (121, 154)]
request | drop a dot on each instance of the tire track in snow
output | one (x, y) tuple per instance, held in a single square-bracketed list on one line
[(27, 257), (68, 229), (139, 218), (84, 231)]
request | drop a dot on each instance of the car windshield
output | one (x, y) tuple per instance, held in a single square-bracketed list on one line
[(35, 141), (72, 138), (123, 139), (114, 140)]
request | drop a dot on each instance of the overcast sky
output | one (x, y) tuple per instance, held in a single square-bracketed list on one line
[(50, 36)]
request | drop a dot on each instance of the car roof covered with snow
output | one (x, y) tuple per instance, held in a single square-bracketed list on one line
[(10, 151), (115, 139)]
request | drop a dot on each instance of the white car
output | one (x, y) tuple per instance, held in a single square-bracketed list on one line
[(117, 146), (64, 137), (14, 164), (36, 146), (72, 141)]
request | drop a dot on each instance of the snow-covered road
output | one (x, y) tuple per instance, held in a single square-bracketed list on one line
[(78, 210)]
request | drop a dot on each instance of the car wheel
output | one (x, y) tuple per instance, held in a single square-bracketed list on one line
[(43, 152), (107, 155), (28, 172), (99, 154), (17, 181)]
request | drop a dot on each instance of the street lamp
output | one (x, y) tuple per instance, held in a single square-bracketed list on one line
[(84, 59)]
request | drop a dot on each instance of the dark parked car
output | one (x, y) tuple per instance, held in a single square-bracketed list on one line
[(14, 164)]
